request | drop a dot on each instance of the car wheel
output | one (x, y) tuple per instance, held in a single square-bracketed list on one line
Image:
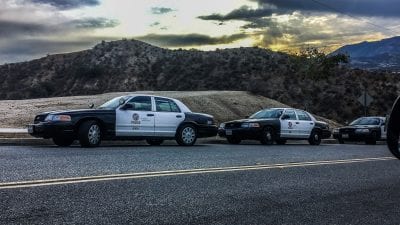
[(315, 138), (154, 141), (63, 141), (281, 142), (234, 141), (89, 134), (268, 136), (187, 135)]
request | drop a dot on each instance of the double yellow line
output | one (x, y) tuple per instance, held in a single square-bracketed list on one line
[(75, 180)]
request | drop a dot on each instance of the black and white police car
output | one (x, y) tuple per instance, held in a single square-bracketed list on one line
[(368, 129), (131, 117), (276, 125)]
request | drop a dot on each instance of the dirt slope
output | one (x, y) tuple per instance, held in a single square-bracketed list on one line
[(224, 105)]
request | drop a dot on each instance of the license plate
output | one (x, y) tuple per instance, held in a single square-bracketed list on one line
[(30, 129), (228, 132), (345, 135)]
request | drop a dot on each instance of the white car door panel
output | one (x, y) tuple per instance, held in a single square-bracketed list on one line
[(136, 121), (305, 124), (289, 128), (167, 118)]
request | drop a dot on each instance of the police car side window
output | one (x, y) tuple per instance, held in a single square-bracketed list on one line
[(140, 103), (166, 105), (291, 115), (303, 115)]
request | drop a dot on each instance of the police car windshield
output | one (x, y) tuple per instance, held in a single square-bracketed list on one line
[(267, 114), (113, 103), (366, 121)]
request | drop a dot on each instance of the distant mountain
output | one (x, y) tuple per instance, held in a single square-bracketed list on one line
[(383, 54), (129, 65)]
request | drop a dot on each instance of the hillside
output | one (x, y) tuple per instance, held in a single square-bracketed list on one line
[(224, 105), (130, 65), (383, 54)]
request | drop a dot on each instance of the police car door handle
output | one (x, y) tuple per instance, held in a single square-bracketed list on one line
[(178, 116), (311, 123), (150, 114)]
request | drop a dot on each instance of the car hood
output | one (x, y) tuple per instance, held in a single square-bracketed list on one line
[(75, 111), (359, 126), (248, 120)]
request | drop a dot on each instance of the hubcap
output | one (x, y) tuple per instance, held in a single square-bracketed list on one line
[(316, 137), (268, 135), (188, 135), (94, 134)]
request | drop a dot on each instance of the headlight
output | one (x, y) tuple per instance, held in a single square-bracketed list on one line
[(247, 125), (222, 125), (63, 118), (336, 130), (362, 130)]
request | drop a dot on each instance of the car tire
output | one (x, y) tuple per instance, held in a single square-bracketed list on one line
[(90, 134), (233, 141), (267, 136), (154, 142), (315, 138), (281, 142), (63, 141), (186, 135)]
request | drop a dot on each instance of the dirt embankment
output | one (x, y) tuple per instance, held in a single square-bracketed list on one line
[(224, 105)]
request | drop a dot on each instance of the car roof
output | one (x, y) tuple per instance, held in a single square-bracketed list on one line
[(181, 105)]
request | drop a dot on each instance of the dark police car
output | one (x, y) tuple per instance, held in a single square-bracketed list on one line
[(276, 125), (132, 117), (367, 129)]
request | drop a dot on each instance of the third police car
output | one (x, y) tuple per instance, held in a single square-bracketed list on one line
[(130, 117), (276, 125)]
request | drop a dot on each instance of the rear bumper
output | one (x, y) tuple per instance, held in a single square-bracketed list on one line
[(326, 134), (207, 131), (49, 130)]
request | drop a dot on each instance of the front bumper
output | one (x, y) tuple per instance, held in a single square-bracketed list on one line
[(49, 130), (207, 131), (241, 133), (354, 136)]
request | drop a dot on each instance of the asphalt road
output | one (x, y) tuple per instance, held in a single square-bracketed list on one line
[(204, 184)]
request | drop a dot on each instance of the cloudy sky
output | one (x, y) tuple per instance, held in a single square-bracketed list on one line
[(34, 28)]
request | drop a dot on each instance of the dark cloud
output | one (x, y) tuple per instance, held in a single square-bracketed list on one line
[(161, 10), (68, 4), (12, 29), (174, 40), (94, 23), (383, 8), (155, 24), (242, 13)]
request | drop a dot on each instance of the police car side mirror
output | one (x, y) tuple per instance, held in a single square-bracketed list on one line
[(91, 106), (285, 117)]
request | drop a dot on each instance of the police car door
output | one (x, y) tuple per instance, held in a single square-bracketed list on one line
[(304, 124), (167, 118), (135, 117), (288, 124)]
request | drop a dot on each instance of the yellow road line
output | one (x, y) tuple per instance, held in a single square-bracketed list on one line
[(75, 180)]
